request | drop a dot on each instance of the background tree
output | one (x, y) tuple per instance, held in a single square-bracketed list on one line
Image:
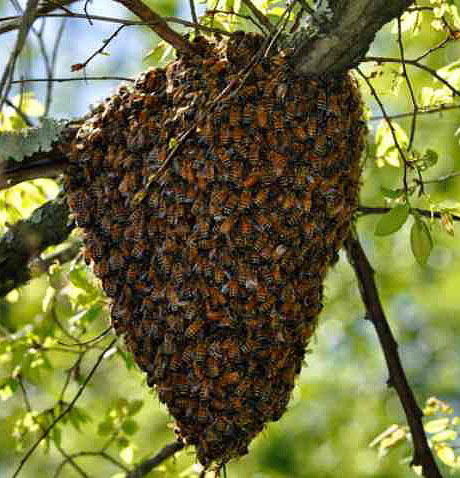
[(59, 357)]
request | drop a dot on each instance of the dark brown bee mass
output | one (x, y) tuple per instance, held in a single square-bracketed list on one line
[(215, 270)]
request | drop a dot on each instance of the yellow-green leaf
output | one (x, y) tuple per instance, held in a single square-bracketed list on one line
[(436, 426), (127, 454), (28, 104), (392, 221), (446, 454), (446, 435)]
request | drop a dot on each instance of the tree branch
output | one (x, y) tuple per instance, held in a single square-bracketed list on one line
[(48, 225), (349, 36), (146, 466), (370, 296), (157, 24)]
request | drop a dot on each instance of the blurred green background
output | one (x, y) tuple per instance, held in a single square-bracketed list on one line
[(341, 402)]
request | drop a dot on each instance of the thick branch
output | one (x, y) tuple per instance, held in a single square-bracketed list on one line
[(157, 24), (47, 226), (370, 296), (146, 466), (349, 36)]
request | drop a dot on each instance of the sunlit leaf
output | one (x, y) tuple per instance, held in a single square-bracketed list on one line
[(28, 104), (446, 454), (446, 435), (436, 426)]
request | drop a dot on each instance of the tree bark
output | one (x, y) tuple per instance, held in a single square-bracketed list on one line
[(349, 36)]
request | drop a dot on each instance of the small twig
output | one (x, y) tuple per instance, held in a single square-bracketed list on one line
[(194, 15), (64, 412), (415, 63), (390, 125), (19, 112), (62, 80), (146, 466), (366, 210), (27, 20), (57, 43), (263, 20), (422, 111), (106, 42), (101, 454), (370, 296), (411, 90)]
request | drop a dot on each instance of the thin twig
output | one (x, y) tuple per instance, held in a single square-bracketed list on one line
[(365, 275), (127, 22), (106, 42), (411, 90), (263, 20), (415, 63), (101, 454), (26, 23), (422, 111), (390, 125), (62, 80), (65, 411), (366, 210)]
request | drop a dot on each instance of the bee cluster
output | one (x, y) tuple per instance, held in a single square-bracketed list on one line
[(216, 274)]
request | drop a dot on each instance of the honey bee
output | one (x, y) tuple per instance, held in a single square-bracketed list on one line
[(321, 102), (277, 119), (202, 415), (300, 133), (194, 328), (236, 172), (229, 378), (177, 273), (320, 148), (248, 113), (188, 356), (238, 134), (312, 125), (233, 288), (205, 390), (225, 135), (245, 227), (219, 275), (263, 222), (169, 347), (234, 116), (110, 284), (231, 203), (262, 115), (175, 363), (212, 367), (201, 352)]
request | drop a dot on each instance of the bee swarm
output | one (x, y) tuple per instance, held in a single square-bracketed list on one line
[(216, 274)]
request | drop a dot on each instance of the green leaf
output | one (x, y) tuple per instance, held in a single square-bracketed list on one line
[(79, 278), (135, 406), (57, 436), (393, 220), (421, 241), (386, 151), (436, 426), (130, 427), (105, 428), (392, 193), (28, 104)]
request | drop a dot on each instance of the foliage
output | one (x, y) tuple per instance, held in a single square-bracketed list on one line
[(53, 330)]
